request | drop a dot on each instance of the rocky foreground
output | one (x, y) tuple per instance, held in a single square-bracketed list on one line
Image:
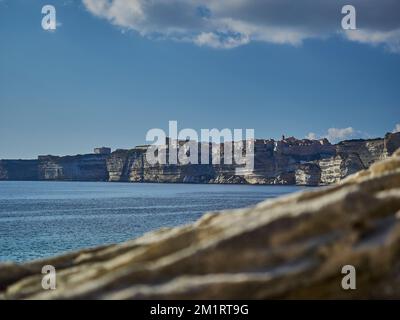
[(291, 247)]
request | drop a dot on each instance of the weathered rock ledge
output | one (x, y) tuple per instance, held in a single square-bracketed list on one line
[(291, 247)]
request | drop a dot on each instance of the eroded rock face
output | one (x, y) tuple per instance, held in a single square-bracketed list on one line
[(274, 163), (308, 174), (19, 170), (337, 168), (369, 151), (88, 167), (126, 165), (392, 142), (286, 162), (290, 247)]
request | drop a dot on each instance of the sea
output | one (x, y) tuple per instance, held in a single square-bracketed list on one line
[(41, 219)]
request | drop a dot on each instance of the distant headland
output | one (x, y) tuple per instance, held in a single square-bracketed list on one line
[(289, 161)]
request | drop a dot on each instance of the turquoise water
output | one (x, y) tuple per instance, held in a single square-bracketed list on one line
[(39, 219)]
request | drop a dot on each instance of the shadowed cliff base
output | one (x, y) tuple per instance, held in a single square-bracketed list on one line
[(291, 247)]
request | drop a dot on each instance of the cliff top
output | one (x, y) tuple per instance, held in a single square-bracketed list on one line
[(288, 142)]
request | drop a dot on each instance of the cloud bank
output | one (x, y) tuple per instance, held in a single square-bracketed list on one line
[(335, 134), (231, 23), (338, 134)]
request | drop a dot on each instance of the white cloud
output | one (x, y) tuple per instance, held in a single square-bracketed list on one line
[(397, 128), (312, 136), (231, 23), (220, 41), (337, 134), (391, 38)]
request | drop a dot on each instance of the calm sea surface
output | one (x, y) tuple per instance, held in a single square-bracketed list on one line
[(39, 219)]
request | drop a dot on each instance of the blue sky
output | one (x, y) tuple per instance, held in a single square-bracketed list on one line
[(104, 80)]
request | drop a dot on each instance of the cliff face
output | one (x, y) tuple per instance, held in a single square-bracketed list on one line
[(308, 174), (290, 161), (289, 248), (274, 163), (90, 167), (336, 168), (355, 155), (125, 165), (131, 165), (19, 170), (369, 151), (391, 143)]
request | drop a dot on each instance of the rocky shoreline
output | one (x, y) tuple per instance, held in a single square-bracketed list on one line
[(289, 161), (290, 247)]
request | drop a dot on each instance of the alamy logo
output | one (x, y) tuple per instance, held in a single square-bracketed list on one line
[(49, 21), (49, 278), (187, 147), (349, 20), (349, 280)]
